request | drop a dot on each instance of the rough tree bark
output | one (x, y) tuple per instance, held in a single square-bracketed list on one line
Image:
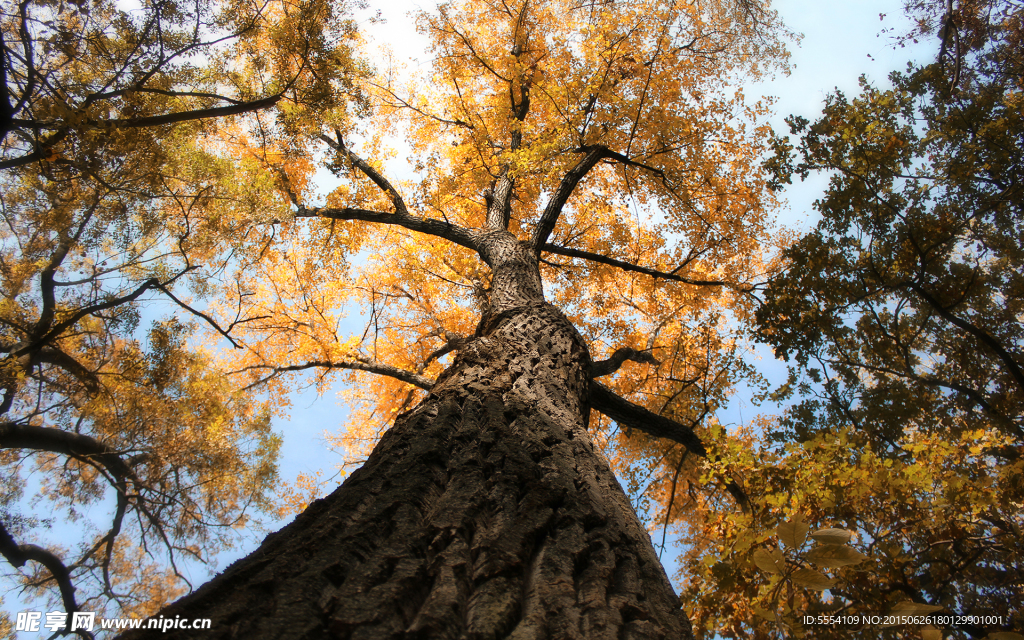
[(484, 512)]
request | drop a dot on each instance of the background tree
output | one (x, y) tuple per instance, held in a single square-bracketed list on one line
[(901, 313), (108, 175)]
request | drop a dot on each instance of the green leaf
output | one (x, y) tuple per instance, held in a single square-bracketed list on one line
[(812, 579), (832, 536), (835, 555), (794, 532)]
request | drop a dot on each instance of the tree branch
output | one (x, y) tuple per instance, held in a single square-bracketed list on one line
[(42, 149), (612, 364), (54, 356), (59, 328), (499, 200), (636, 417), (401, 217), (371, 366), (75, 445), (367, 170), (209, 320), (19, 554), (451, 232), (982, 335), (85, 449), (628, 266), (553, 209)]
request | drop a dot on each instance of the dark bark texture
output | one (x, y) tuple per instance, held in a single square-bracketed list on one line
[(485, 512)]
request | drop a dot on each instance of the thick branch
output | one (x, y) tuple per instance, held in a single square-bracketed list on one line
[(75, 445), (400, 217), (371, 173), (60, 327), (982, 335), (197, 114), (634, 416), (455, 342), (80, 447), (165, 118), (499, 201), (451, 232), (54, 356), (553, 209), (47, 283), (612, 364), (42, 150), (19, 554)]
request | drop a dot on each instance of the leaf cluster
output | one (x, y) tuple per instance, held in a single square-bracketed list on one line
[(900, 314)]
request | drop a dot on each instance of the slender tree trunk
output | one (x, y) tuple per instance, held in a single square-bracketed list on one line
[(485, 512)]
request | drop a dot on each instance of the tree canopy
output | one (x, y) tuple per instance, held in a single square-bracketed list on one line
[(107, 171), (171, 152), (900, 314), (176, 153)]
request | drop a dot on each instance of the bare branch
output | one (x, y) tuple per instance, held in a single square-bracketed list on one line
[(360, 364), (627, 266), (19, 554)]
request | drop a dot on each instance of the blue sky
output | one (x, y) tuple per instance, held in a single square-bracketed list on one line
[(840, 42)]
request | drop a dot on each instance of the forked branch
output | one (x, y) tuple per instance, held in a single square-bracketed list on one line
[(556, 203), (19, 554), (401, 216)]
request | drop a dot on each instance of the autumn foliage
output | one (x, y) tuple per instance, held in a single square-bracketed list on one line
[(179, 154)]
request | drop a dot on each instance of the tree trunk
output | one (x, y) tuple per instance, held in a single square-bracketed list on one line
[(485, 512)]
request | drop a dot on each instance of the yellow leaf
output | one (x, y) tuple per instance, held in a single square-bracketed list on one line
[(909, 608), (765, 562), (835, 555), (794, 532), (812, 579), (928, 632), (832, 536)]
